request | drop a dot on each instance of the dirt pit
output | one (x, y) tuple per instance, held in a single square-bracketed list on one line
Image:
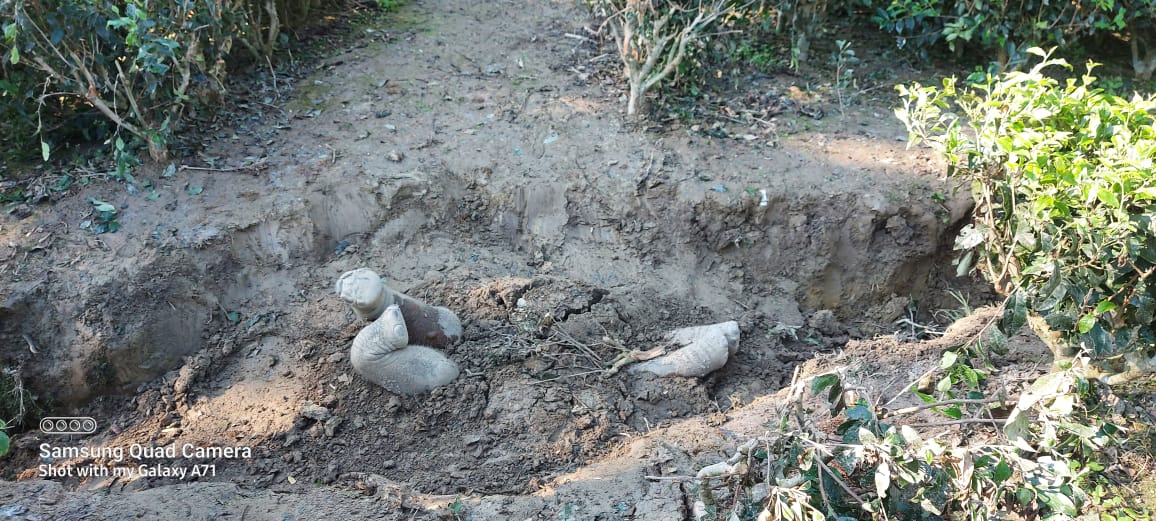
[(477, 160)]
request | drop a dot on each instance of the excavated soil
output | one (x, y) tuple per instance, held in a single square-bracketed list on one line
[(476, 156)]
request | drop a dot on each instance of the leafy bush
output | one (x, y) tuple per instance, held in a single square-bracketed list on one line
[(140, 64), (1008, 28), (887, 466), (1065, 216), (653, 37)]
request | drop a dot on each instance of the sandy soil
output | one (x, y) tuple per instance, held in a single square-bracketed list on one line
[(475, 154)]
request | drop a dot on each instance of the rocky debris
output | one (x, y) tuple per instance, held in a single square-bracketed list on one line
[(331, 426), (314, 412), (825, 323)]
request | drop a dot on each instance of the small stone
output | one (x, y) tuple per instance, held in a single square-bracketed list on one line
[(824, 321), (331, 472), (336, 357), (331, 426), (388, 464), (395, 156), (759, 493), (472, 439), (358, 422), (329, 401), (314, 412)]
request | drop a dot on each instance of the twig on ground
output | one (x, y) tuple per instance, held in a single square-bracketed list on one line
[(839, 481), (260, 164), (536, 382), (962, 421), (982, 330), (31, 345), (962, 401), (579, 37), (582, 347)]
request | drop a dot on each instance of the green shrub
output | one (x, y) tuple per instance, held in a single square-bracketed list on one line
[(887, 464), (1007, 28), (654, 37), (1062, 176), (139, 64)]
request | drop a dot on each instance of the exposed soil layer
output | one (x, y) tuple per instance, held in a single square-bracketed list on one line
[(475, 157)]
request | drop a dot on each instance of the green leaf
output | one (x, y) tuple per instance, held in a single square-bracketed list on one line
[(1058, 502), (1045, 385), (848, 459), (860, 413), (970, 236), (927, 398), (1016, 429), (4, 443), (1024, 496), (1086, 432), (233, 316), (964, 264), (822, 382), (102, 206), (194, 190), (1105, 306), (1001, 472), (949, 359), (1015, 313), (1062, 405), (971, 375), (882, 478), (45, 150), (944, 384), (953, 412), (1054, 290), (1100, 340), (1060, 322), (1086, 322), (170, 170), (1145, 308), (14, 55), (152, 196)]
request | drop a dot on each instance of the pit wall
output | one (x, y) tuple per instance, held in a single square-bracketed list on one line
[(858, 254)]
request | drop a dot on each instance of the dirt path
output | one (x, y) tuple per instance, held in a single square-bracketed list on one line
[(473, 153)]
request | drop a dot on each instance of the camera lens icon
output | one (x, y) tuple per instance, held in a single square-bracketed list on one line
[(68, 425)]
